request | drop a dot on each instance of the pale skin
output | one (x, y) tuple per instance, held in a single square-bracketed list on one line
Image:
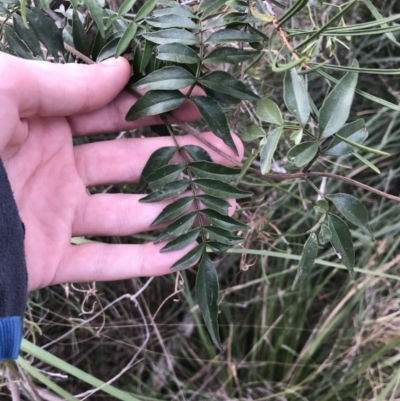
[(43, 106)]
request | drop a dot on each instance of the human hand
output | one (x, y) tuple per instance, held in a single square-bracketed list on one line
[(44, 106)]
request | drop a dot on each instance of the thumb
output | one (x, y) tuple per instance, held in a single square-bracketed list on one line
[(47, 89)]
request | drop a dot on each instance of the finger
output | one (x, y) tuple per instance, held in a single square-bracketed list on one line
[(122, 214), (120, 161), (48, 89), (104, 262), (111, 118)]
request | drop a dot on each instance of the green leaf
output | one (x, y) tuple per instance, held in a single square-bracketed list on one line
[(352, 209), (229, 55), (16, 44), (108, 50), (296, 8), (189, 259), (218, 248), (336, 107), (269, 111), (303, 153), (355, 131), (362, 147), (297, 136), (197, 153), (81, 41), (46, 31), (146, 56), (221, 189), (223, 236), (97, 14), (126, 6), (224, 82), (208, 7), (253, 132), (268, 149), (159, 158), (182, 241), (177, 228), (325, 234), (366, 162), (27, 35), (310, 253), (166, 192), (342, 242), (173, 210), (155, 102), (219, 205), (172, 21), (296, 96), (215, 171), (213, 115), (167, 78), (174, 10), (220, 220), (177, 53), (164, 175), (232, 35), (126, 39), (172, 35), (145, 10), (207, 291), (322, 206)]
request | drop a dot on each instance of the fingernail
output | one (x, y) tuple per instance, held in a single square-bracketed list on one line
[(111, 61)]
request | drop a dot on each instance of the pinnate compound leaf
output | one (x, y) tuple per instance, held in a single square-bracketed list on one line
[(222, 235), (268, 149), (310, 253), (219, 205), (182, 241), (27, 35), (167, 78), (303, 153), (155, 102), (81, 41), (145, 10), (16, 44), (168, 191), (46, 31), (352, 209), (355, 132), (177, 53), (232, 35), (177, 228), (221, 189), (126, 39), (172, 21), (336, 107), (224, 82), (342, 242), (220, 220), (252, 133), (215, 171), (197, 153), (173, 210), (126, 6), (325, 234), (229, 55), (295, 96), (269, 111), (164, 175), (172, 35), (213, 115), (159, 158), (189, 259), (207, 292), (97, 14)]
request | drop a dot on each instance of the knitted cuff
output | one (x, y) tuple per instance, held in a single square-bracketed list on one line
[(10, 337)]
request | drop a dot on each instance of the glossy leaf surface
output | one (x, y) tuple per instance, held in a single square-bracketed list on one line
[(221, 189)]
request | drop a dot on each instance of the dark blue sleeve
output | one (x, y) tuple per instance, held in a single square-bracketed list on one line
[(13, 273)]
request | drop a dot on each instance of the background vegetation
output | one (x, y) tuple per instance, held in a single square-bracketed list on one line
[(331, 338)]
